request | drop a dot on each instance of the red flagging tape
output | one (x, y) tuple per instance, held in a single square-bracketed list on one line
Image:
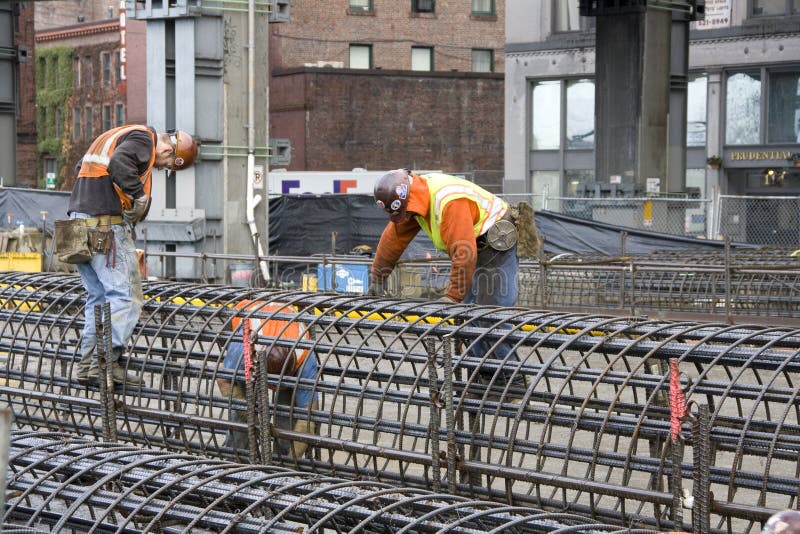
[(677, 400), (248, 351)]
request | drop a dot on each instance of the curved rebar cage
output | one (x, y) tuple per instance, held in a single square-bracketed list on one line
[(577, 418), (68, 484)]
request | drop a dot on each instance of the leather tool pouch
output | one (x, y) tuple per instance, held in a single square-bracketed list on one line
[(101, 239), (530, 242), (72, 241)]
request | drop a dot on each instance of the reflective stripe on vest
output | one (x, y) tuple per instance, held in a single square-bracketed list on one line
[(95, 161), (273, 328), (443, 188)]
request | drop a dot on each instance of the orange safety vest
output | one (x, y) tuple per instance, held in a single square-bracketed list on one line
[(273, 328), (96, 160)]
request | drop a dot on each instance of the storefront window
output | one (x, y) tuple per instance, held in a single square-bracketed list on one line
[(783, 117), (546, 100), (696, 111), (580, 114), (743, 108)]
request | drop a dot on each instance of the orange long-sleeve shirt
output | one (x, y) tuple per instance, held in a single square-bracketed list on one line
[(456, 227)]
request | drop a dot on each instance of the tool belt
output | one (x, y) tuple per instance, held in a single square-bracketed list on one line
[(77, 240), (529, 243), (501, 236), (517, 226)]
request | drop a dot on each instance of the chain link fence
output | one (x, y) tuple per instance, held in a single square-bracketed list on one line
[(759, 220)]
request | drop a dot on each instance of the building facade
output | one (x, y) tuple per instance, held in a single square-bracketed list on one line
[(422, 35), (743, 103), (89, 78)]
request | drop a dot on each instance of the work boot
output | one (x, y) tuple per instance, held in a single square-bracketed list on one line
[(118, 375), (237, 439), (84, 365), (306, 427)]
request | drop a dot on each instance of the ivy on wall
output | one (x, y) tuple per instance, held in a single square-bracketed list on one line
[(53, 94)]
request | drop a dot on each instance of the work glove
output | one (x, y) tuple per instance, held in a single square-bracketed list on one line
[(377, 289), (445, 299), (137, 211)]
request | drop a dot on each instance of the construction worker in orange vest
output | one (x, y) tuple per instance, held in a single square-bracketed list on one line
[(112, 194), (287, 360)]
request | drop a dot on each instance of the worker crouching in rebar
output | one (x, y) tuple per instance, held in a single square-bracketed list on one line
[(286, 363)]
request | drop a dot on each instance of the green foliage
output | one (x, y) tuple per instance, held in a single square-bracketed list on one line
[(53, 91)]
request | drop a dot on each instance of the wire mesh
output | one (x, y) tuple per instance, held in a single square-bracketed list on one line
[(581, 425), (61, 483)]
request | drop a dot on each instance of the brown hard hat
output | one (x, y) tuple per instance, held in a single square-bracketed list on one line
[(392, 192), (786, 522), (277, 357), (185, 149)]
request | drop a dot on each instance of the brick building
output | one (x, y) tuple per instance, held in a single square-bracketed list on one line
[(26, 116), (94, 90), (439, 35), (339, 119), (387, 83)]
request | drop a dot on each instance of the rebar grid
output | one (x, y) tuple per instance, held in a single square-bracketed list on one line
[(588, 434), (68, 484), (746, 284)]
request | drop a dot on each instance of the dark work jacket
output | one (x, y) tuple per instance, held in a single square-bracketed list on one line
[(131, 158)]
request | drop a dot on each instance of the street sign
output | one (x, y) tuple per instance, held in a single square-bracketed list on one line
[(50, 180)]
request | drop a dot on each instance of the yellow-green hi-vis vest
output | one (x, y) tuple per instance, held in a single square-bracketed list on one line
[(444, 188)]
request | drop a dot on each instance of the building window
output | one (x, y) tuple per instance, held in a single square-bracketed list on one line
[(117, 67), (105, 59), (483, 7), (546, 111), (482, 60), (566, 16), (743, 108), (580, 114), (696, 110), (87, 131), (87, 72), (773, 8), (360, 56), (360, 5), (57, 121), (783, 107), (423, 6), (106, 117), (76, 123), (76, 71), (120, 115), (421, 58)]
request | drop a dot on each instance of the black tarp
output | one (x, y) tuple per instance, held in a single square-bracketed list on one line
[(26, 205), (301, 225)]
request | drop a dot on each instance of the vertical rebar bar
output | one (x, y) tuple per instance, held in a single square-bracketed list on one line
[(5, 433), (433, 423), (728, 279), (109, 374), (100, 349), (265, 434), (676, 481), (701, 517), (452, 451)]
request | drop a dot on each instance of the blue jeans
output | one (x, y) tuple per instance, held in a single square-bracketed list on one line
[(304, 395), (494, 283), (112, 278)]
